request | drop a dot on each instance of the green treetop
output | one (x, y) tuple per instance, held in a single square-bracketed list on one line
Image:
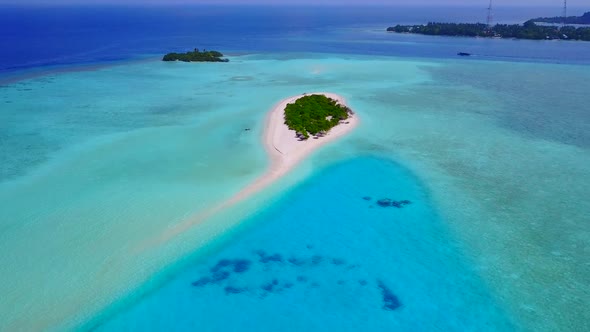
[(195, 56), (315, 115)]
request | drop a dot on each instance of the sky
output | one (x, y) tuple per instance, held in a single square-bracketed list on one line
[(557, 3)]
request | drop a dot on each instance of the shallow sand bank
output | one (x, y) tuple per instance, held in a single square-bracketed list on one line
[(285, 151)]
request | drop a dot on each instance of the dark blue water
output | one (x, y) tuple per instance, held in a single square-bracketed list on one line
[(34, 37), (365, 254)]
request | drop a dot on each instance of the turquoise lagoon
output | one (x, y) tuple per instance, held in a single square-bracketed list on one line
[(327, 256), (98, 165)]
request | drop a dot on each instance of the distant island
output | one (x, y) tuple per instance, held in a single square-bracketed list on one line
[(196, 56), (315, 114), (528, 30), (584, 19)]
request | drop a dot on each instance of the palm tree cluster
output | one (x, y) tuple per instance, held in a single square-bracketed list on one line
[(315, 115), (195, 56)]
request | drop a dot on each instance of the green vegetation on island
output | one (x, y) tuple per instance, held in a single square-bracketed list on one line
[(584, 19), (196, 56), (315, 115), (528, 30)]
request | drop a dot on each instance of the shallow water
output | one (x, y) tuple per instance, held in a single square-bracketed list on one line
[(97, 165), (328, 256), (91, 191)]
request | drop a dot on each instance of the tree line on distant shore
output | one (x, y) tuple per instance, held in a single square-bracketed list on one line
[(584, 19), (315, 115), (528, 30), (196, 56)]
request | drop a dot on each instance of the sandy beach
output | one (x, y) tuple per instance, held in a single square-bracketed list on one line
[(285, 151)]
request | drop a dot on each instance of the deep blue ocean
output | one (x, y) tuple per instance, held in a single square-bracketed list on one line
[(39, 37)]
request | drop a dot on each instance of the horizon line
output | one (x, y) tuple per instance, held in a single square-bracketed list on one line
[(229, 4)]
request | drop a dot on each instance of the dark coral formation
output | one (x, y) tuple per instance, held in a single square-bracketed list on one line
[(219, 276), (220, 265), (270, 286), (316, 259), (338, 261), (264, 258), (233, 290), (313, 261), (237, 265), (390, 301), (388, 202), (296, 261), (275, 286), (226, 271), (302, 279), (241, 265), (214, 278), (202, 282), (222, 271)]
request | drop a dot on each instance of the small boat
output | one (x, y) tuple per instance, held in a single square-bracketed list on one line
[(464, 54)]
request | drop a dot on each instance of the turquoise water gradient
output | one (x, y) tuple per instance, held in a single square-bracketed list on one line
[(327, 246), (111, 162), (99, 167)]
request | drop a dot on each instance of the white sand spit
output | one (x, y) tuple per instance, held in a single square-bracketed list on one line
[(285, 151)]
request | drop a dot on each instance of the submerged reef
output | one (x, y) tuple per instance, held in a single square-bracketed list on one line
[(388, 202), (228, 275), (390, 301), (264, 258), (237, 265), (233, 290)]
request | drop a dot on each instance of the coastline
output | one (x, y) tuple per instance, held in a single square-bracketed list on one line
[(275, 134), (284, 150), (448, 151), (91, 179)]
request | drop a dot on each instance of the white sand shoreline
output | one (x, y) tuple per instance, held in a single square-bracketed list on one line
[(285, 151)]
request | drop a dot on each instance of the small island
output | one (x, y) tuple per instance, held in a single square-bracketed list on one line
[(315, 114), (528, 30), (196, 56), (284, 148)]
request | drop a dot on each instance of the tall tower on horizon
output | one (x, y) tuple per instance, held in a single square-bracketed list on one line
[(564, 22), (490, 18)]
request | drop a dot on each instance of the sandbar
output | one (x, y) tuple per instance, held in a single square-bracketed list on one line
[(285, 151), (283, 147)]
